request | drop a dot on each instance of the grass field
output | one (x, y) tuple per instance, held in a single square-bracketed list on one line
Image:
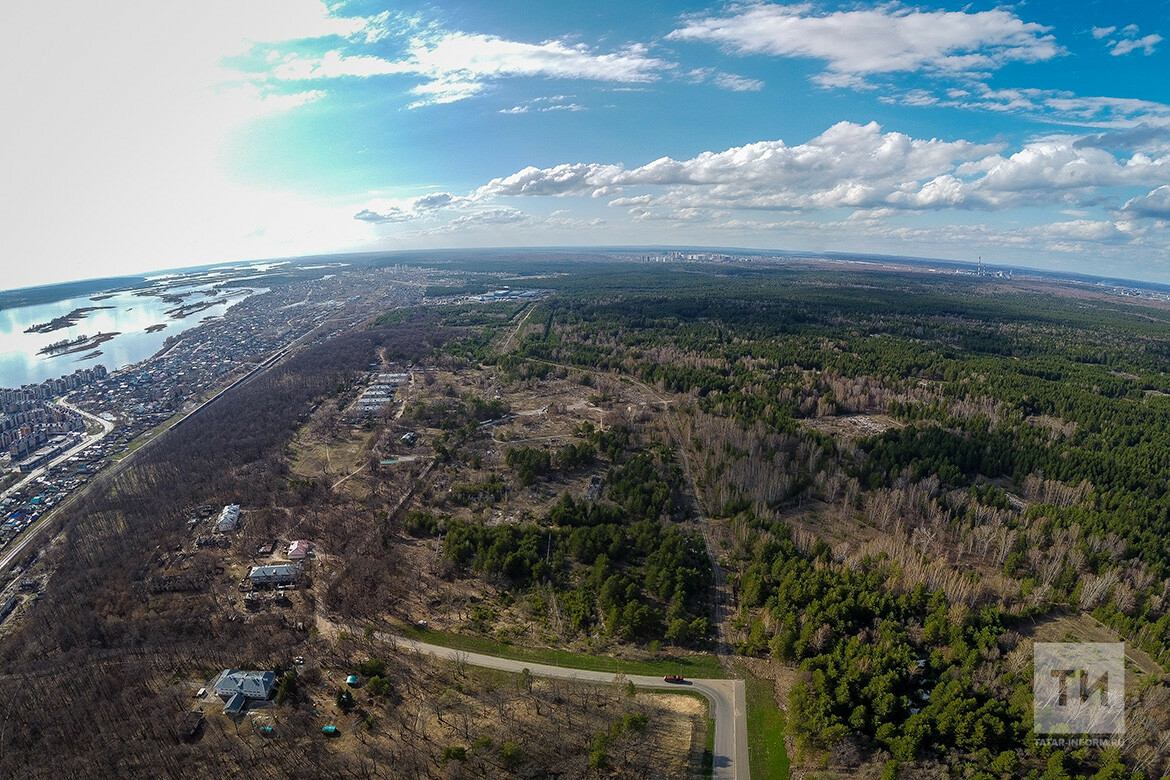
[(765, 721)]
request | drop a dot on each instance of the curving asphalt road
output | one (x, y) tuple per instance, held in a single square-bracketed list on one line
[(727, 697)]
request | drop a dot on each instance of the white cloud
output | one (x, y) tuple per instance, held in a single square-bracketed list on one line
[(847, 165), (852, 167), (1060, 172), (437, 200), (1128, 40), (545, 105), (1082, 230), (915, 97), (459, 65), (939, 192), (731, 81), (487, 56), (498, 216), (1060, 106), (1147, 44), (887, 39), (639, 200), (738, 83), (391, 214), (333, 65), (1154, 205), (391, 210), (564, 179)]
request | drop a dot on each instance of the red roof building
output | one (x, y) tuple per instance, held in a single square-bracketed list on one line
[(299, 550)]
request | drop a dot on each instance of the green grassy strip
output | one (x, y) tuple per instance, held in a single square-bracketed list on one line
[(696, 665), (765, 722)]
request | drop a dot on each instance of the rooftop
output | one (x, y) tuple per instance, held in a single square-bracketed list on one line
[(251, 684)]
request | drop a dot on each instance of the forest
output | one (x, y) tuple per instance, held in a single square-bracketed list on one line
[(622, 569), (1016, 469), (879, 488)]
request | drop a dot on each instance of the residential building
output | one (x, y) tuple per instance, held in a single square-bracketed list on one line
[(229, 519), (299, 550), (237, 688), (280, 574)]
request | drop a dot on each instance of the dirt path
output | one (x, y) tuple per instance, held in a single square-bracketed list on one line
[(359, 470), (511, 340)]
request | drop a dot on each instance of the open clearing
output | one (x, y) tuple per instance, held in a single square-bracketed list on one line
[(1083, 627), (854, 426)]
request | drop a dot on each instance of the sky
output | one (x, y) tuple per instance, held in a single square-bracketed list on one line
[(140, 136)]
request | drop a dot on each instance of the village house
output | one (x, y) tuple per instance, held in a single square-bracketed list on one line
[(237, 688), (299, 550)]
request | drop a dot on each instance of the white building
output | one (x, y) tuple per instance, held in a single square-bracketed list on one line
[(229, 519)]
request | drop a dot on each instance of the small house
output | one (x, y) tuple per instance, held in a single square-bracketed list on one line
[(299, 550), (190, 724)]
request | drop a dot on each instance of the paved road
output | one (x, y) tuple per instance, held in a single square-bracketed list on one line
[(727, 697)]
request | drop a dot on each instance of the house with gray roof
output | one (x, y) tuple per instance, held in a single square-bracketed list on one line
[(237, 688), (279, 574)]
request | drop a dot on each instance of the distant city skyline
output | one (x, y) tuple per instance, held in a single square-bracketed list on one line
[(142, 137)]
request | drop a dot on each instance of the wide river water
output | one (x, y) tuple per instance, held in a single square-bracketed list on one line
[(127, 314)]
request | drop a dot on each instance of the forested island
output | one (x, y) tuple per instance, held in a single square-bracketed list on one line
[(868, 493), (82, 343), (65, 320)]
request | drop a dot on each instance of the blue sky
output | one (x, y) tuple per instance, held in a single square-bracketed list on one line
[(141, 136)]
